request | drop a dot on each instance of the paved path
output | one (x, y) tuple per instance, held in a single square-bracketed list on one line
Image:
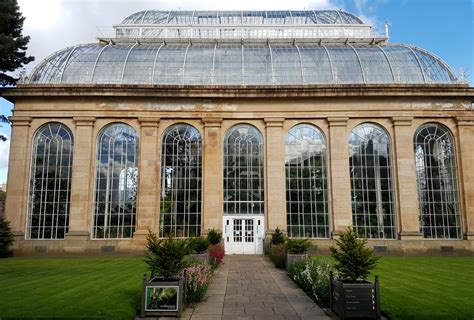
[(250, 287)]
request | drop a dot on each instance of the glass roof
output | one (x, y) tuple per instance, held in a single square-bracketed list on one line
[(236, 63), (242, 17)]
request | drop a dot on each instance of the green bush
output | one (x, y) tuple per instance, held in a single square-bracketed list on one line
[(298, 246), (278, 255), (6, 238), (278, 237), (214, 236), (295, 272), (199, 244), (354, 259), (166, 257)]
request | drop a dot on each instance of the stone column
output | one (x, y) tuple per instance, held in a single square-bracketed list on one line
[(466, 168), (275, 175), (18, 174), (80, 212), (339, 175), (405, 171), (212, 208), (148, 179)]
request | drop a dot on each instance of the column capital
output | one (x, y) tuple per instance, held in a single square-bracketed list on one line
[(84, 121), (402, 121), (20, 121), (149, 122), (212, 122), (338, 121), (465, 121), (274, 121)]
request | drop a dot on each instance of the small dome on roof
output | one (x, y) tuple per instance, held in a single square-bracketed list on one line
[(311, 17)]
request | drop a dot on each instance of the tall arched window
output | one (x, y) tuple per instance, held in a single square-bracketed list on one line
[(436, 177), (306, 182), (371, 182), (243, 171), (180, 204), (50, 183), (116, 182)]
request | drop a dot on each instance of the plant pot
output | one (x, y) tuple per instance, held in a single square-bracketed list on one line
[(291, 258), (355, 299), (162, 297)]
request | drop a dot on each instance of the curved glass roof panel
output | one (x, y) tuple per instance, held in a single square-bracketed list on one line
[(234, 63), (242, 17)]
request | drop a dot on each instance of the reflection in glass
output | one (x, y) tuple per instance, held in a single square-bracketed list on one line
[(436, 177), (180, 204), (371, 182), (50, 182), (306, 183), (116, 182), (243, 171)]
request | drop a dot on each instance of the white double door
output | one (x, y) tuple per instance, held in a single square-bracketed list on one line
[(243, 234)]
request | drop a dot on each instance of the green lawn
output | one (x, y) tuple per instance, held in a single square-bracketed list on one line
[(97, 288), (110, 288), (427, 287)]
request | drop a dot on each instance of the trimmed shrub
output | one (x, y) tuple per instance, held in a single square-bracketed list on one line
[(198, 277), (199, 244), (278, 237), (354, 259), (214, 236), (6, 238), (298, 246), (278, 255), (166, 257), (216, 254)]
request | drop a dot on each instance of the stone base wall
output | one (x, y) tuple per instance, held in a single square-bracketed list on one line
[(23, 247)]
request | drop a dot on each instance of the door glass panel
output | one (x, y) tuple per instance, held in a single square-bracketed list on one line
[(237, 230), (249, 230)]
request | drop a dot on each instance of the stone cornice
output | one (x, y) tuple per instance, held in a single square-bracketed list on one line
[(465, 121), (402, 121), (212, 122), (84, 121), (27, 91), (338, 121), (149, 122), (20, 121), (274, 121)]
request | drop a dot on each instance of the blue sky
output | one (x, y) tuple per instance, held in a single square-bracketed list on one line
[(443, 27)]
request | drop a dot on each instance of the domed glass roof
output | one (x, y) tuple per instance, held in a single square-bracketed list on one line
[(242, 17), (237, 63)]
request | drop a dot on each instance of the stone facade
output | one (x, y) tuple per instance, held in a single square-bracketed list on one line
[(335, 109)]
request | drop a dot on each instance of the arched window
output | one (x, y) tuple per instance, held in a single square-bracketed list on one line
[(243, 171), (371, 182), (50, 183), (306, 183), (116, 182), (436, 177), (180, 204)]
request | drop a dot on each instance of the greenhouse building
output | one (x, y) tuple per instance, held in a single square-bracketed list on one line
[(178, 122)]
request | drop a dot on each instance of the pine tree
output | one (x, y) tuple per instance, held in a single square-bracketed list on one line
[(13, 44)]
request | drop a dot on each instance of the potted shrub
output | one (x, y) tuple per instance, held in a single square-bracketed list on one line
[(199, 249), (352, 295), (163, 294), (296, 250)]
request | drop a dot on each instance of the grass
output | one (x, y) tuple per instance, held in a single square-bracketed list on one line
[(427, 287), (80, 288)]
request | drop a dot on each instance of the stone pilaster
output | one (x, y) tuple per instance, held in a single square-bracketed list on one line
[(275, 175), (148, 182), (466, 165), (80, 212), (405, 171), (18, 174), (340, 177), (212, 175)]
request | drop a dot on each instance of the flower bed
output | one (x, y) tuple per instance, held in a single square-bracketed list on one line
[(312, 275), (198, 276)]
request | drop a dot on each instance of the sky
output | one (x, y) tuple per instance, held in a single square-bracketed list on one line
[(443, 27)]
